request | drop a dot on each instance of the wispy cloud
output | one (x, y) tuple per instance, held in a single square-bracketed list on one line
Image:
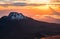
[(10, 1)]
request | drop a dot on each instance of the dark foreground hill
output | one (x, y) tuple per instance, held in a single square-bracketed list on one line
[(18, 26)]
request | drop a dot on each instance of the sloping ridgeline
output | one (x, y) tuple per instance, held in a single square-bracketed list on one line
[(18, 26)]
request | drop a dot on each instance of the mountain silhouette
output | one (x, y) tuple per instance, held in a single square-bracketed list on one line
[(18, 26), (15, 15)]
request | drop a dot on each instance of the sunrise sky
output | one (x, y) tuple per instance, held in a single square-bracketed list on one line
[(44, 13)]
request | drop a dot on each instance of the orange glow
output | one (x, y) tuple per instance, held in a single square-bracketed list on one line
[(32, 10), (2, 8)]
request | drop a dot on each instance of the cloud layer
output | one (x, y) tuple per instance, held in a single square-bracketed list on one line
[(12, 1)]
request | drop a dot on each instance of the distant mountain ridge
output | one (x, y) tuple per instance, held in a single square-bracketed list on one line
[(18, 26)]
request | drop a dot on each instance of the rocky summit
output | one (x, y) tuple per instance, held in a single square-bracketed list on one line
[(16, 15)]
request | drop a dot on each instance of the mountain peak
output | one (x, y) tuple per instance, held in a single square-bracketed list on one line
[(16, 15)]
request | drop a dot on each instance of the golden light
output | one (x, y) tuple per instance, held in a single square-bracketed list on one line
[(38, 1), (44, 1)]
